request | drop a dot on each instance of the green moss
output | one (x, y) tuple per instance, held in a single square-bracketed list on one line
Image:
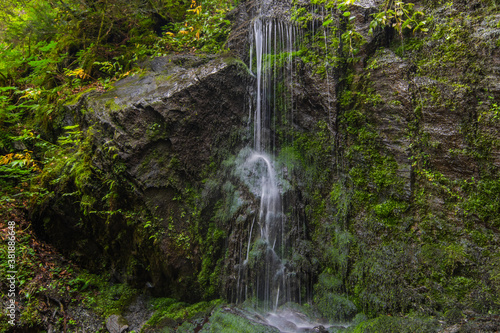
[(224, 321), (243, 69), (335, 307), (109, 298), (390, 210), (76, 98), (388, 324), (187, 327), (162, 78), (170, 313), (112, 106), (211, 269)]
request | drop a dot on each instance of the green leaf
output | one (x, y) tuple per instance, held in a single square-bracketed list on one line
[(70, 127), (48, 47), (7, 88), (346, 14)]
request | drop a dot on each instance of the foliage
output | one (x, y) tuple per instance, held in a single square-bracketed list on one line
[(225, 321), (47, 282), (53, 50), (336, 31), (399, 15), (330, 301), (109, 299), (483, 200), (205, 28), (169, 312), (382, 248), (68, 161)]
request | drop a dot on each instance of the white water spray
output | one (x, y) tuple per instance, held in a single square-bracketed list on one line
[(272, 45)]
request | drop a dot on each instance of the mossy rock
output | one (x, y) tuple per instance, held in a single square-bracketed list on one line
[(226, 320), (388, 324), (336, 307), (171, 313)]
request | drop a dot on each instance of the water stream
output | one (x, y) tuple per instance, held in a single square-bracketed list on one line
[(272, 43), (271, 281)]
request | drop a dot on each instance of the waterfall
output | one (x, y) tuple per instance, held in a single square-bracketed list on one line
[(274, 270), (270, 219), (272, 44)]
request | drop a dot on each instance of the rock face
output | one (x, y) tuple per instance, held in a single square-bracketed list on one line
[(420, 149), (392, 158), (164, 125), (151, 138), (173, 111), (116, 324)]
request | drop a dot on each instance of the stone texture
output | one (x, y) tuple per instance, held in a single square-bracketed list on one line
[(392, 115), (166, 125), (155, 132), (116, 324)]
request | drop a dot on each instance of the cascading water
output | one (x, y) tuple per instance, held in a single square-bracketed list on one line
[(271, 222), (271, 262), (267, 273), (271, 57), (273, 43)]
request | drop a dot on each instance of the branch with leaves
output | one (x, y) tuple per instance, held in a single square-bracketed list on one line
[(400, 15)]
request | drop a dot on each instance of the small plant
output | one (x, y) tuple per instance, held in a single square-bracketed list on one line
[(204, 28), (399, 15)]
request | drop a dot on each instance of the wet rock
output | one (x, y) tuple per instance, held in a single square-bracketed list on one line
[(168, 113), (484, 324), (238, 41), (452, 329), (87, 320), (236, 320), (288, 325), (316, 329), (138, 313), (444, 126), (393, 113), (363, 10), (116, 324), (320, 329), (155, 132)]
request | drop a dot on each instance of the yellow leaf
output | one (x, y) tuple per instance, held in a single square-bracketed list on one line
[(79, 73), (196, 10), (31, 93), (6, 159), (183, 32), (170, 34)]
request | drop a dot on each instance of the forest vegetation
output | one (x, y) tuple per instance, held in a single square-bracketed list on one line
[(395, 162)]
